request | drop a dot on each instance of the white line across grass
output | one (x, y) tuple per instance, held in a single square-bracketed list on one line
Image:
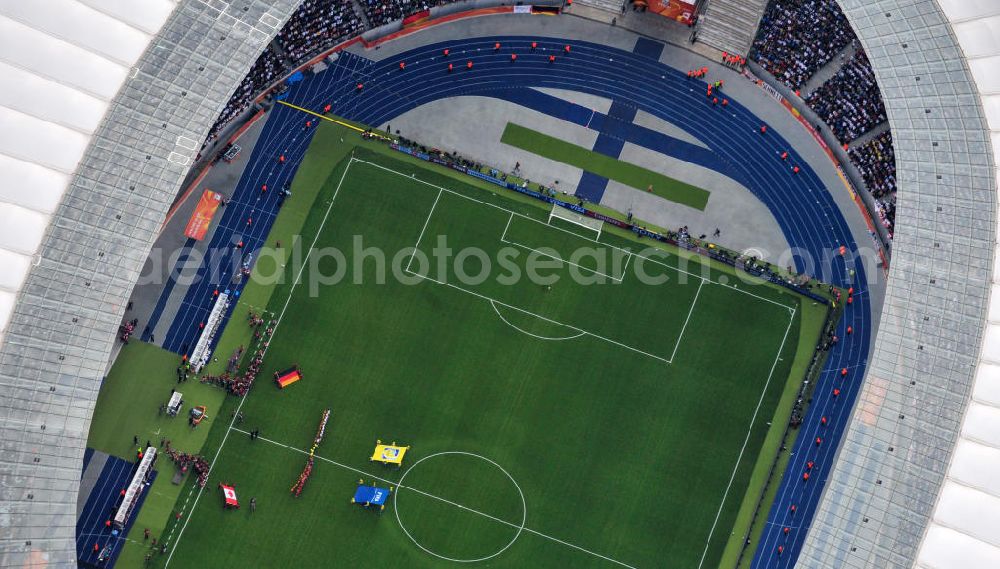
[(398, 484), (533, 335), (277, 323), (638, 256), (555, 255), (495, 303), (746, 440)]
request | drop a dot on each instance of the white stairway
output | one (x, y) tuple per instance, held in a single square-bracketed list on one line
[(730, 25), (614, 6)]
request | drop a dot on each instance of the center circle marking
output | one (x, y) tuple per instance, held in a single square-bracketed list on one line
[(400, 485)]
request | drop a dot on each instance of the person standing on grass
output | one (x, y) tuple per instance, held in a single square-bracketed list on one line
[(253, 505)]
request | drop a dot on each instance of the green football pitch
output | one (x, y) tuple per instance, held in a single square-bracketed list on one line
[(570, 397)]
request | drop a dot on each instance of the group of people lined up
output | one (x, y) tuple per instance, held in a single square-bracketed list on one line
[(876, 161), (318, 24), (239, 384), (185, 461), (126, 330)]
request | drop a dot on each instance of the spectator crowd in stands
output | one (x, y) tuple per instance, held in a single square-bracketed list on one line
[(266, 70), (381, 12), (317, 25), (876, 161), (850, 102), (797, 37)]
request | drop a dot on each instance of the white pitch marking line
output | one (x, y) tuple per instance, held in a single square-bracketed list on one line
[(507, 322), (503, 239), (277, 323), (539, 316), (503, 236), (760, 401), (686, 320), (748, 293), (444, 500), (422, 229), (644, 258), (625, 268), (561, 260), (522, 216)]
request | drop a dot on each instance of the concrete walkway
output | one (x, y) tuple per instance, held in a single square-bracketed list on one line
[(864, 138)]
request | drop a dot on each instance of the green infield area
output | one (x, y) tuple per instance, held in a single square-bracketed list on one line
[(569, 396), (629, 174)]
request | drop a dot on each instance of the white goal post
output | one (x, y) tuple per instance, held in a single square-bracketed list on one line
[(576, 219)]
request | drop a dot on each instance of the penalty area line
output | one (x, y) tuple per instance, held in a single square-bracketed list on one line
[(440, 499), (423, 229), (686, 320), (643, 258)]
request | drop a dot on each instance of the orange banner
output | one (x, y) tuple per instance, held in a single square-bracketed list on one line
[(679, 10), (197, 226)]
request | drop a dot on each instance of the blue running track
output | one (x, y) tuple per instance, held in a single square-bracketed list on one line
[(101, 506), (801, 204)]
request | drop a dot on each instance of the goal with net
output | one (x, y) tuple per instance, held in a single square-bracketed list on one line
[(576, 219)]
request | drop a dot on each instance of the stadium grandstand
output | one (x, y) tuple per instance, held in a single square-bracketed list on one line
[(769, 228)]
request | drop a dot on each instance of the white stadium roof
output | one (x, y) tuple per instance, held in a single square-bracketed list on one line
[(61, 64), (965, 527), (95, 131)]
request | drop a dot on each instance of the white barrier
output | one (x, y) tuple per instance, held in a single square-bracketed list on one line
[(135, 488), (203, 349)]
